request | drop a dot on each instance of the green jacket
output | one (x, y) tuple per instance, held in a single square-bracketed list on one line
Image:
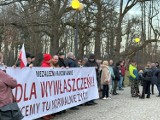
[(133, 72)]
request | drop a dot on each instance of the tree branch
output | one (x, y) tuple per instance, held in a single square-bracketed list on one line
[(140, 47)]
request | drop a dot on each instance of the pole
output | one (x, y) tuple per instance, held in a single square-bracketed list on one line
[(76, 36), (137, 56)]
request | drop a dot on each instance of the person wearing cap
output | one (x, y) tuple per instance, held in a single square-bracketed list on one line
[(46, 63), (92, 63), (46, 60), (61, 61)]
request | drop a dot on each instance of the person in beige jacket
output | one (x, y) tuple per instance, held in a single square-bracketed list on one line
[(105, 79)]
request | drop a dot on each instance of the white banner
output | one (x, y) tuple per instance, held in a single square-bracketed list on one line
[(43, 91)]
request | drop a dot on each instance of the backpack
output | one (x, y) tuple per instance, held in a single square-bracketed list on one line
[(149, 75)]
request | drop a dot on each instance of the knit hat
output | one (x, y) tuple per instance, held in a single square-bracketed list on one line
[(47, 57), (117, 64), (91, 56), (61, 53), (32, 56), (28, 55)]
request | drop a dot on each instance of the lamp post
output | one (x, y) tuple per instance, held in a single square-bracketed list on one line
[(78, 7), (137, 40)]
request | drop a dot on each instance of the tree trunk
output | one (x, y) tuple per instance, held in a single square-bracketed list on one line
[(99, 21)]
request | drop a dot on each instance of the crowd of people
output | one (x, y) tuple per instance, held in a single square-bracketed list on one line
[(148, 77), (110, 76)]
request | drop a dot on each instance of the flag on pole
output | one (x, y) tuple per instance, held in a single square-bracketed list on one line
[(22, 57)]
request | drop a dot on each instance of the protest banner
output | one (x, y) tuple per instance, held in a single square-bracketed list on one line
[(43, 91)]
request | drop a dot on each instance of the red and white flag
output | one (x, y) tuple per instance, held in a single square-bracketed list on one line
[(22, 57)]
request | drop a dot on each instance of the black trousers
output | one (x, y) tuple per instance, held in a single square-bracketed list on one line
[(105, 92), (115, 86), (152, 88), (158, 87), (146, 88)]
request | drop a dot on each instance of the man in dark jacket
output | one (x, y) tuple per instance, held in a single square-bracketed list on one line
[(92, 63), (116, 70), (147, 77), (157, 74), (61, 61), (158, 82), (70, 62)]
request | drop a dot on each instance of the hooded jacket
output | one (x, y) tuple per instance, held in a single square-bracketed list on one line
[(106, 76), (71, 63), (46, 58), (133, 72)]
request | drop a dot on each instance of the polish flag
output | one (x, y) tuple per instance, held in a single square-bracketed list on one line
[(22, 57)]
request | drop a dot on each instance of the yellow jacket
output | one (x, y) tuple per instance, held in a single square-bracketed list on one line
[(132, 70)]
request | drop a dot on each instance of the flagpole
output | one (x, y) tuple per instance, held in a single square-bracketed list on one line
[(18, 56), (16, 61)]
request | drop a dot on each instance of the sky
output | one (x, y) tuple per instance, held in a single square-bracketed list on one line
[(136, 10)]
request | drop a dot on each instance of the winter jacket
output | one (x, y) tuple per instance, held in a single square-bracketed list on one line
[(61, 62), (105, 76), (45, 64), (116, 73), (154, 79), (112, 72), (122, 70), (158, 76), (93, 64), (46, 58), (133, 72), (6, 84), (71, 63), (148, 74)]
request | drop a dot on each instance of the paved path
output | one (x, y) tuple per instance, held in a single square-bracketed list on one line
[(120, 107)]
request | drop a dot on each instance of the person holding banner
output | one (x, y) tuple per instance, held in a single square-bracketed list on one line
[(92, 63), (70, 62), (46, 60), (54, 62), (61, 61), (47, 63)]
